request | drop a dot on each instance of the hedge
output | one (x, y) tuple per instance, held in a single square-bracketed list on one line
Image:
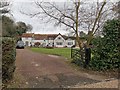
[(8, 59), (106, 51)]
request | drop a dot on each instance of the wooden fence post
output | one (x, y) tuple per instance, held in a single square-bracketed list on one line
[(87, 56)]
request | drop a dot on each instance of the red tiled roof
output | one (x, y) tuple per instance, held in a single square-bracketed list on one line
[(43, 36), (27, 35), (39, 37)]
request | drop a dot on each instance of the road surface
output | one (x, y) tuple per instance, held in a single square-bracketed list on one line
[(49, 71)]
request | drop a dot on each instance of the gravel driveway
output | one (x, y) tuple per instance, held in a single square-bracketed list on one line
[(49, 71)]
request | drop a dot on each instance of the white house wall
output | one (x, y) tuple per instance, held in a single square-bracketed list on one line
[(40, 41), (45, 42), (70, 40), (29, 40), (59, 40), (50, 42)]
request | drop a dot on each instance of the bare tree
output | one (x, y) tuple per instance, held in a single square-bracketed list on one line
[(119, 10), (77, 15), (95, 17), (72, 15)]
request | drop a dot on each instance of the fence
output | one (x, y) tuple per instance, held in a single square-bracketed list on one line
[(78, 56)]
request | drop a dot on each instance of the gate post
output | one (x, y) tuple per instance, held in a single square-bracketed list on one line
[(87, 56)]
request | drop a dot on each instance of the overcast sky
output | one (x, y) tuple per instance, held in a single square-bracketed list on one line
[(38, 26)]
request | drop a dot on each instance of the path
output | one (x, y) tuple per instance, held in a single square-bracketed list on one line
[(49, 71)]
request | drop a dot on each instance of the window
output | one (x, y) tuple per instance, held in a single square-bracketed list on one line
[(59, 37), (70, 43), (59, 43)]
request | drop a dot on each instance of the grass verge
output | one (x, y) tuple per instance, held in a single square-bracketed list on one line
[(65, 52)]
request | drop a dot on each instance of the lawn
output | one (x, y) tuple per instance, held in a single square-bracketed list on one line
[(65, 52)]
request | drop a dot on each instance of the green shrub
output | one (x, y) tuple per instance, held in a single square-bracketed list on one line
[(106, 53), (8, 58), (78, 62)]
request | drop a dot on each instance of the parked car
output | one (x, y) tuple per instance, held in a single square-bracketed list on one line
[(20, 45)]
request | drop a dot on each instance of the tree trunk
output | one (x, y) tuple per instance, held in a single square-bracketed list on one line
[(77, 36), (77, 12)]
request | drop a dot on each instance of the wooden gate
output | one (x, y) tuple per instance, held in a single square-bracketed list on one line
[(78, 56)]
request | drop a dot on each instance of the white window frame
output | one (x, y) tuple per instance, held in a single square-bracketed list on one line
[(59, 43)]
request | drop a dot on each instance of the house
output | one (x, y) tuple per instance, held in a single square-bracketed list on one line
[(55, 40)]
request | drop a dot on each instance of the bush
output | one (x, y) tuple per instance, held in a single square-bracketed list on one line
[(8, 59), (49, 47), (37, 44), (78, 62), (106, 53)]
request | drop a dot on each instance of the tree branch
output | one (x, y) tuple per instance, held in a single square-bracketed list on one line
[(52, 16)]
